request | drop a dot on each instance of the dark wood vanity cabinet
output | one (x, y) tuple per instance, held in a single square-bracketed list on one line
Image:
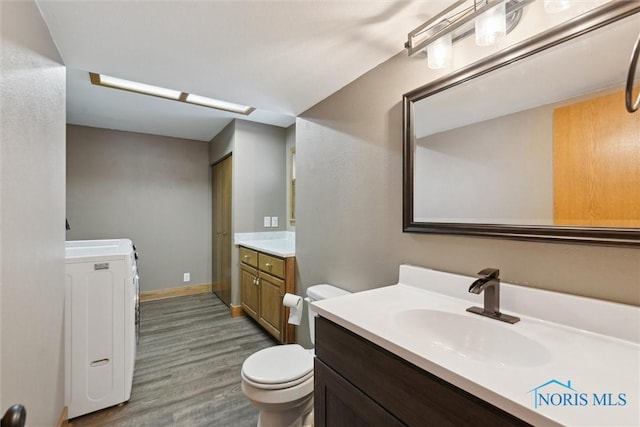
[(358, 383)]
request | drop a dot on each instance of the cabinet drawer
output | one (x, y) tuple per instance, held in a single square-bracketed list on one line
[(249, 256), (271, 265)]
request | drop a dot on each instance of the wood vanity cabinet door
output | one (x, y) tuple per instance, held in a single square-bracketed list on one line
[(342, 404), (250, 290), (270, 313)]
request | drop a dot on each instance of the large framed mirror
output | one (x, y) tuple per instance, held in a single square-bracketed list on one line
[(532, 143)]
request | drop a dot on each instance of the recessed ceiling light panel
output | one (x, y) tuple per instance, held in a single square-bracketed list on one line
[(145, 89), (116, 83), (220, 105)]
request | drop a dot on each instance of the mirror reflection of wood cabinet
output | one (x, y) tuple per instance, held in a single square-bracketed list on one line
[(264, 280), (596, 163)]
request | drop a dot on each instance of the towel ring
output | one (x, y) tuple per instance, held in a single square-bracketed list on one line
[(632, 107)]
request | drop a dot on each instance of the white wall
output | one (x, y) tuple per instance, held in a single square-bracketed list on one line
[(349, 202), (152, 189), (32, 171)]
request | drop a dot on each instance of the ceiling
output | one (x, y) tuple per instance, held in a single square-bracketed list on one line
[(281, 57)]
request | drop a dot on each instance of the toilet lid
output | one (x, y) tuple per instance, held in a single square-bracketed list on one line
[(277, 365)]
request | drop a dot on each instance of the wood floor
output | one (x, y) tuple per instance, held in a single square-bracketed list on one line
[(187, 369)]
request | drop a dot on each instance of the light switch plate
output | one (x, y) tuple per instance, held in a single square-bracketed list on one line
[(274, 221), (267, 221), (187, 277)]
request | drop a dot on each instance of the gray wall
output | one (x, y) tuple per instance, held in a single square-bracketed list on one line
[(259, 180), (32, 162), (349, 223), (222, 143), (152, 189)]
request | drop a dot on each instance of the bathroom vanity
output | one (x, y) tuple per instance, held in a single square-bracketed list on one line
[(388, 391), (267, 272), (410, 354)]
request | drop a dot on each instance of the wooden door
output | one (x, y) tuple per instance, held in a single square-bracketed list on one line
[(221, 181), (337, 402), (271, 310), (597, 163), (250, 290)]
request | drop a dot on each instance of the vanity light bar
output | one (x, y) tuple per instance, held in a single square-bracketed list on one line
[(161, 92), (460, 15)]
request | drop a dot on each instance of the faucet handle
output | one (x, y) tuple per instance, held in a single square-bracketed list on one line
[(489, 273)]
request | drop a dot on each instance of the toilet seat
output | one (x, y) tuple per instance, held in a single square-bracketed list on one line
[(277, 386), (278, 367)]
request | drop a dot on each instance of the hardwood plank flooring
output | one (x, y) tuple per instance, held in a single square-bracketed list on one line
[(187, 369)]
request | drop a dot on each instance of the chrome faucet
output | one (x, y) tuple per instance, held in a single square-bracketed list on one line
[(489, 283)]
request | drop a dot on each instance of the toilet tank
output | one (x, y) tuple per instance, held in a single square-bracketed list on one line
[(318, 293)]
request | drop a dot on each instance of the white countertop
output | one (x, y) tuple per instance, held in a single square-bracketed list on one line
[(278, 243), (561, 341)]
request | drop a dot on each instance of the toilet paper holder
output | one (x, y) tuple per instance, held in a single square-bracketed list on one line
[(296, 307)]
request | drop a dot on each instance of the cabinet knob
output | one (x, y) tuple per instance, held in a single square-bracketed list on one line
[(247, 256), (268, 265)]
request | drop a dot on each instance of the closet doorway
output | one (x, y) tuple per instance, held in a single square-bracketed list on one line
[(221, 178)]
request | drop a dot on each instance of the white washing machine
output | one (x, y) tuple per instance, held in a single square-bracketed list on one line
[(101, 323)]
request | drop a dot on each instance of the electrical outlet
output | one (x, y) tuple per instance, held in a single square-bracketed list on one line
[(274, 221), (187, 277), (267, 221)]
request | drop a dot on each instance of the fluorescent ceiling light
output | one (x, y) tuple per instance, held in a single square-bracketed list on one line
[(116, 83), (176, 95), (220, 105)]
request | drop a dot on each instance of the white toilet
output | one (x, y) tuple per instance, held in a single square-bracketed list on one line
[(279, 380)]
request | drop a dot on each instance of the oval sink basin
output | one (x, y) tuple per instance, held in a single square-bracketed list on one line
[(473, 337)]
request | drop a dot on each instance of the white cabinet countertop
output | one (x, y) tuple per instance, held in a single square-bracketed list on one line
[(569, 360), (278, 243)]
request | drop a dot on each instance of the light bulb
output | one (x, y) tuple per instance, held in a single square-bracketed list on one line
[(491, 25), (555, 6), (439, 52)]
